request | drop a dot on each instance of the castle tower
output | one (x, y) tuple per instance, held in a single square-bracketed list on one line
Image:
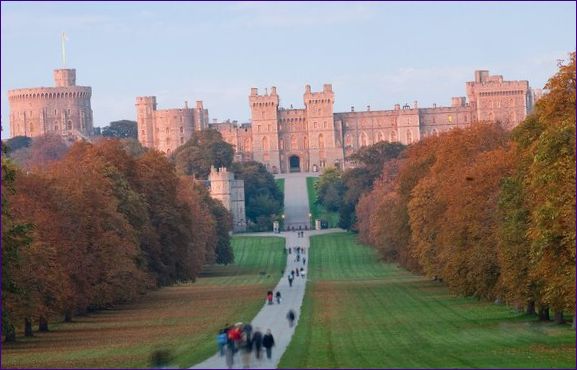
[(145, 109), (64, 109), (322, 134), (65, 77), (494, 99), (230, 192), (265, 138)]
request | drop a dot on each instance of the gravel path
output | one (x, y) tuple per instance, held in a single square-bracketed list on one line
[(273, 317)]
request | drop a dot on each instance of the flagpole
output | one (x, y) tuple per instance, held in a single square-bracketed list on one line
[(63, 50)]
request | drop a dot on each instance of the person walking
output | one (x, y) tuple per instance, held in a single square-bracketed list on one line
[(246, 348), (269, 297), (291, 318), (290, 279), (221, 340), (268, 343), (278, 297), (257, 343)]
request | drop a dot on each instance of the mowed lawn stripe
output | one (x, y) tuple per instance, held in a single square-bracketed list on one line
[(183, 319), (359, 312)]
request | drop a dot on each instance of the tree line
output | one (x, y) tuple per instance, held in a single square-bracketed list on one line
[(489, 212), (93, 225)]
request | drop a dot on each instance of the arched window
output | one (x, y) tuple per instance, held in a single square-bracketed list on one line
[(69, 125), (306, 142), (264, 143), (409, 137), (293, 143), (364, 139), (393, 137), (321, 141), (348, 140), (380, 136)]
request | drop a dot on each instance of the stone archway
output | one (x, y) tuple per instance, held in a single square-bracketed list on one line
[(294, 163)]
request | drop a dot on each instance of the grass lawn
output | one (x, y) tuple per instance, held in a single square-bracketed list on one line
[(317, 210), (183, 319), (280, 184), (360, 313)]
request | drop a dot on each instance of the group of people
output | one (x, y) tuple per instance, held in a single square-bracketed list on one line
[(241, 338), (269, 297), (301, 234)]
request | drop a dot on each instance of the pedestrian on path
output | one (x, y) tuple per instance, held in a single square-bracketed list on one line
[(268, 343), (291, 318), (221, 340), (304, 261), (229, 353), (290, 279), (257, 342), (246, 348), (303, 272), (269, 297), (278, 298), (297, 272)]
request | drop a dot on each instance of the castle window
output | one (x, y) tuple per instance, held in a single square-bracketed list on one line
[(325, 124), (315, 125), (293, 142), (269, 128), (258, 128), (393, 136), (364, 139), (409, 137), (321, 141), (69, 125), (181, 129)]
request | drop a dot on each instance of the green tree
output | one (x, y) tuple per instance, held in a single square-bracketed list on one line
[(204, 149), (264, 200), (122, 129)]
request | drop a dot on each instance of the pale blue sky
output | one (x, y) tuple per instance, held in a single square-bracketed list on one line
[(374, 53)]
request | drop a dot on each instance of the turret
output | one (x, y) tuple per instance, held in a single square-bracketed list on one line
[(64, 77), (145, 107)]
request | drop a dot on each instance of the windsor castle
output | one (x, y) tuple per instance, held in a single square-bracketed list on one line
[(284, 140)]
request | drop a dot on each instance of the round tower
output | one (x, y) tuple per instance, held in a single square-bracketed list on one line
[(64, 109)]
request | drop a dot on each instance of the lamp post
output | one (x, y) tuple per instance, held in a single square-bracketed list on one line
[(310, 221), (283, 226)]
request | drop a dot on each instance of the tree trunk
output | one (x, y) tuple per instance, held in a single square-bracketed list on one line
[(559, 317), (42, 324), (9, 332), (531, 308), (27, 327), (67, 316), (544, 313)]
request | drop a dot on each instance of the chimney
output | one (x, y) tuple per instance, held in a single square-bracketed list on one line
[(352, 108)]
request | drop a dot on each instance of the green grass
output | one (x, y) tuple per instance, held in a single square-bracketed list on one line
[(183, 319), (360, 313), (280, 184), (317, 210)]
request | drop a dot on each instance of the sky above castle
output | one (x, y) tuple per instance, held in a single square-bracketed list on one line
[(374, 53)]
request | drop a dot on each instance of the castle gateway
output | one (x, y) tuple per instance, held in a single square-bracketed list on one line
[(315, 137)]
